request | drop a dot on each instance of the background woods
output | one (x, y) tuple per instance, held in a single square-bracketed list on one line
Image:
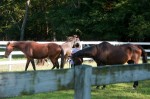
[(122, 20)]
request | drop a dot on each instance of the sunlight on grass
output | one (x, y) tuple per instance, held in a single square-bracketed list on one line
[(123, 91)]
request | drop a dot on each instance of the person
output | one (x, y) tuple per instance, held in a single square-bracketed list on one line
[(74, 50)]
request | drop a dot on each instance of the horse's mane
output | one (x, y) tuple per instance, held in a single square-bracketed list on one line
[(20, 41), (13, 43)]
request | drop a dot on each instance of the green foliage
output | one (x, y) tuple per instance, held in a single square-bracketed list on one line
[(11, 15), (139, 28), (123, 20)]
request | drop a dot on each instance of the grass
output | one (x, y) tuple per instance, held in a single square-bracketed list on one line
[(113, 91)]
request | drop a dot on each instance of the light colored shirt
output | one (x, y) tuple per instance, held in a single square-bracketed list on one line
[(74, 50)]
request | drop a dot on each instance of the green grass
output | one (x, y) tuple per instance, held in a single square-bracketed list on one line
[(123, 91), (113, 91)]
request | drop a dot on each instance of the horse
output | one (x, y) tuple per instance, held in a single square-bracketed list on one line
[(108, 54), (67, 47), (33, 50)]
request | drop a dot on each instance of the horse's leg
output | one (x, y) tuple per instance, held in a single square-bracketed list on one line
[(55, 63), (104, 86), (53, 67), (33, 64), (65, 58), (136, 83), (27, 64)]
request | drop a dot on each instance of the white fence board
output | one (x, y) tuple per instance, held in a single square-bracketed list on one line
[(120, 73), (34, 82)]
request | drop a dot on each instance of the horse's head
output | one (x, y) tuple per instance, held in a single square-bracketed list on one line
[(77, 59), (77, 40), (73, 39), (9, 49)]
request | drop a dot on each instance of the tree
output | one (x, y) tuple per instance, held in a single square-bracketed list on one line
[(25, 20), (123, 20)]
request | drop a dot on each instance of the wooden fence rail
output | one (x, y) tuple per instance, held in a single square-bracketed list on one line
[(79, 78)]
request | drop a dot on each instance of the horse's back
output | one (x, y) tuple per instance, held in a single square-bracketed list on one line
[(38, 47), (110, 54), (44, 50), (54, 47)]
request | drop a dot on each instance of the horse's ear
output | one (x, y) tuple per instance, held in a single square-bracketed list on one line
[(8, 43), (69, 38), (75, 36), (11, 43)]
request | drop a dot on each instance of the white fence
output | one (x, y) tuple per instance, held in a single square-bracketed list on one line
[(83, 43)]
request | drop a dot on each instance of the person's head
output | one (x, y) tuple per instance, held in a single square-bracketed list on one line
[(77, 45)]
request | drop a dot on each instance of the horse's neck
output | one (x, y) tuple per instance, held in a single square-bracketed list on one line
[(88, 52), (70, 43), (67, 45), (19, 45)]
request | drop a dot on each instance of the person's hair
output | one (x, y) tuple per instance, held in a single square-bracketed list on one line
[(77, 45)]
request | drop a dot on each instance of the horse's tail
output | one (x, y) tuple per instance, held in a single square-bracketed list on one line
[(62, 57), (144, 54), (41, 62)]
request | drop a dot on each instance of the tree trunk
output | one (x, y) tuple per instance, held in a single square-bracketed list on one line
[(25, 20)]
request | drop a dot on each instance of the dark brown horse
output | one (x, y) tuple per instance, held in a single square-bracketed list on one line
[(33, 50), (108, 54), (67, 47)]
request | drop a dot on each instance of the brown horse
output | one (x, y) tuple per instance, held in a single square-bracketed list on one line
[(67, 47), (33, 50), (107, 54)]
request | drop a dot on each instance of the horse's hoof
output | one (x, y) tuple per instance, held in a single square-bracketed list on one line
[(97, 87), (103, 88), (134, 88)]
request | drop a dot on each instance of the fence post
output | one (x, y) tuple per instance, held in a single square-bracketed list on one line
[(10, 59), (82, 86)]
